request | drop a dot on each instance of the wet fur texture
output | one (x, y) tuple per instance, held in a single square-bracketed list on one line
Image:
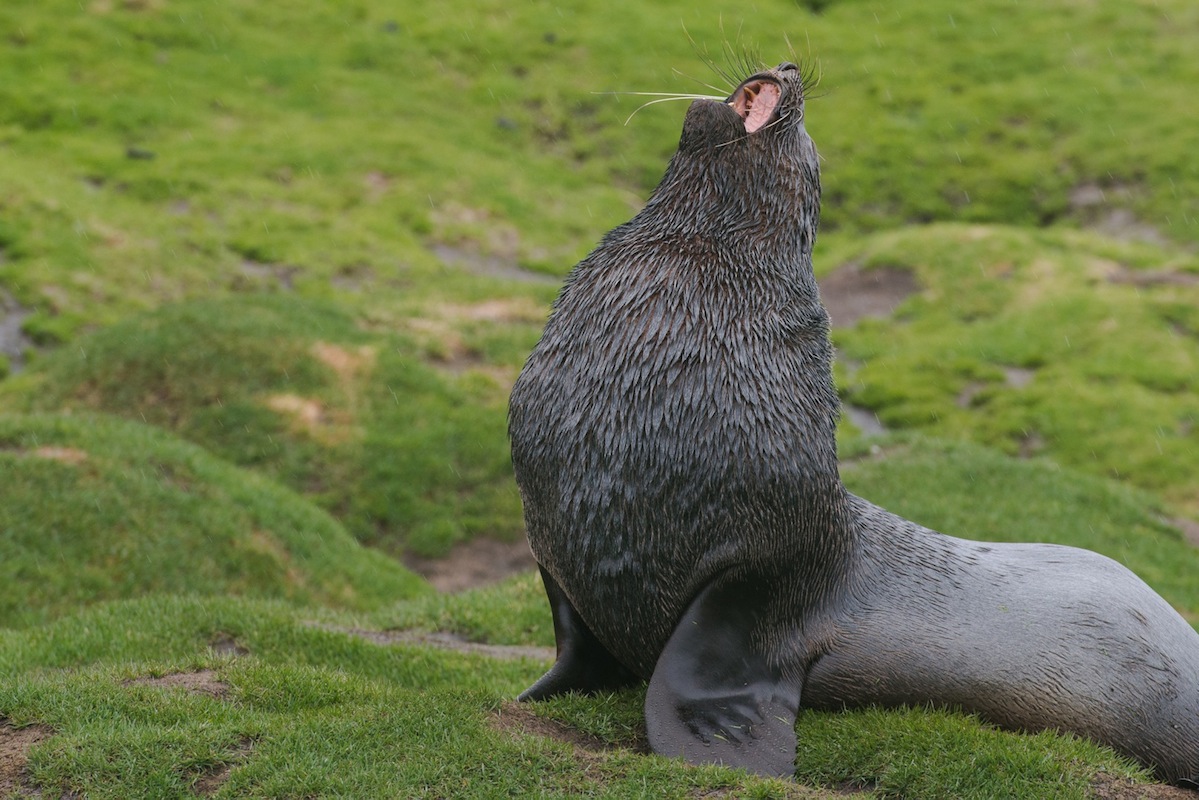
[(673, 437)]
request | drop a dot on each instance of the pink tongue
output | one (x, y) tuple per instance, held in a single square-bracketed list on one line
[(763, 107)]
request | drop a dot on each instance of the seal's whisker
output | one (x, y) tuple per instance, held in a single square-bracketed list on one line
[(791, 47), (679, 95), (732, 60), (812, 74), (708, 61), (665, 100), (768, 125), (746, 60), (682, 74)]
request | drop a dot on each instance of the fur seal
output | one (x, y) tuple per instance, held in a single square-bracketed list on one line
[(673, 440)]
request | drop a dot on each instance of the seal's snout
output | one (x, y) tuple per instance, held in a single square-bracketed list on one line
[(756, 101), (709, 124)]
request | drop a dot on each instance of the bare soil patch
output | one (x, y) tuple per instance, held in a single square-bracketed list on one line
[(13, 341), (1189, 528), (257, 275), (851, 293), (225, 644), (1018, 377), (490, 266), (202, 682), (441, 326), (1098, 208), (1031, 444), (308, 413), (1107, 787), (1153, 277), (354, 278), (208, 781), (518, 720), (15, 744), (312, 418), (445, 641), (377, 184), (865, 420), (503, 310), (475, 563), (66, 455), (1015, 377), (347, 363)]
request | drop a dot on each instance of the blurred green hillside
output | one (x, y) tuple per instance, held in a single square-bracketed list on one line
[(268, 271)]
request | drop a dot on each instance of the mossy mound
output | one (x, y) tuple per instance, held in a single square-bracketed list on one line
[(407, 454), (1064, 344), (93, 508), (974, 492)]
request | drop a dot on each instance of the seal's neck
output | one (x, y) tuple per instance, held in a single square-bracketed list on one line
[(751, 199)]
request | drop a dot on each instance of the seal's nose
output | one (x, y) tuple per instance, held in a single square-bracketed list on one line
[(787, 66)]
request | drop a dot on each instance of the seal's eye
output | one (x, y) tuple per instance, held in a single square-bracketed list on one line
[(756, 102)]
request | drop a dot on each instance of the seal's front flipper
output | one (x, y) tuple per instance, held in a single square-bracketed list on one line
[(714, 697), (584, 665)]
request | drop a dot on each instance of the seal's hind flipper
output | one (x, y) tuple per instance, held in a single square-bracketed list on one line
[(714, 698), (584, 665)]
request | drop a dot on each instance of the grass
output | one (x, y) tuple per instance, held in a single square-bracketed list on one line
[(298, 391), (1106, 333), (975, 113), (312, 712), (94, 509), (309, 713), (965, 490), (274, 246), (311, 709)]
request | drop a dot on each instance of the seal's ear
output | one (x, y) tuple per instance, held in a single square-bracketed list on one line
[(713, 698), (709, 124)]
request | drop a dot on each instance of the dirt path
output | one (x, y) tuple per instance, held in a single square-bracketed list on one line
[(479, 562), (15, 744)]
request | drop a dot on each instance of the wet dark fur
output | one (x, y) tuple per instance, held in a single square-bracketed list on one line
[(658, 339), (673, 440)]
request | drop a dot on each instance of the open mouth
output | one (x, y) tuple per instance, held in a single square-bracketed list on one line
[(756, 102)]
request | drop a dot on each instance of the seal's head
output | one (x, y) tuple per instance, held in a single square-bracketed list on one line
[(747, 163), (773, 98)]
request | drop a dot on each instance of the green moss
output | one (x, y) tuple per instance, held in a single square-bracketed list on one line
[(311, 711), (1110, 365), (883, 751), (175, 155), (94, 509), (408, 455), (317, 138), (969, 491)]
